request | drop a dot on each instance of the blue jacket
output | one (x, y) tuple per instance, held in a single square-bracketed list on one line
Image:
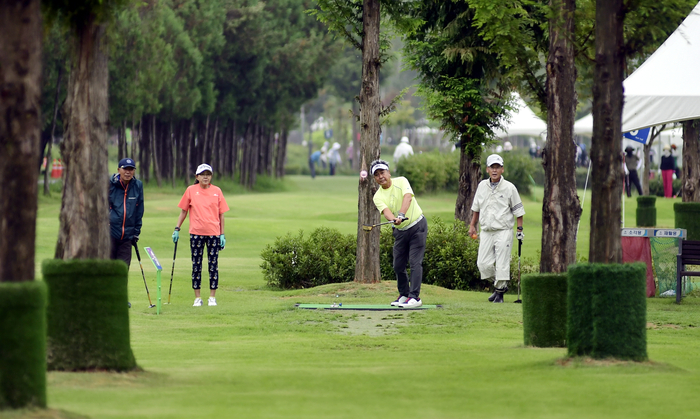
[(125, 208)]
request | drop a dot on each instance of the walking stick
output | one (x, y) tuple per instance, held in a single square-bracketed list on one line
[(171, 273)]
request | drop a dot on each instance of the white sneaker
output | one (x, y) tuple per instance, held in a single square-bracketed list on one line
[(211, 301), (412, 303), (399, 301), (197, 302)]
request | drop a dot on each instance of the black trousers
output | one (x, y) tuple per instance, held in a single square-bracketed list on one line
[(633, 179), (409, 247), (121, 249)]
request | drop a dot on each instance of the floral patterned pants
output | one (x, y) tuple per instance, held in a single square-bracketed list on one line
[(197, 245)]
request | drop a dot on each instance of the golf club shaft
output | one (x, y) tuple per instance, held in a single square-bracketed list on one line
[(138, 256), (172, 272), (520, 248)]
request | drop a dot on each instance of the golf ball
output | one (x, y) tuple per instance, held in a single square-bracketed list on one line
[(363, 174)]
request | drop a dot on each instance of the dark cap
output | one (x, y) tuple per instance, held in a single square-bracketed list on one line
[(127, 162)]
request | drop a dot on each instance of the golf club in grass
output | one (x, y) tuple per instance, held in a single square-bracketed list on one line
[(138, 256), (369, 228), (520, 247), (171, 273)]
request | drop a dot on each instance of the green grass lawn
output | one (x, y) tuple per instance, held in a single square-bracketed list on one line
[(256, 356)]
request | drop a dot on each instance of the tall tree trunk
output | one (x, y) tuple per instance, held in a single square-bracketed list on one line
[(606, 146), (355, 141), (469, 178), (188, 158), (234, 154), (144, 148), (367, 260), (281, 153), (561, 208), (47, 192), (172, 152), (84, 222), (154, 152), (254, 155), (20, 131), (691, 161), (121, 140), (135, 137)]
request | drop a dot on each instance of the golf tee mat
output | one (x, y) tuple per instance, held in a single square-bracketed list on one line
[(371, 307)]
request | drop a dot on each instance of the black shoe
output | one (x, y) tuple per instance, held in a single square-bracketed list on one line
[(499, 295), (493, 296)]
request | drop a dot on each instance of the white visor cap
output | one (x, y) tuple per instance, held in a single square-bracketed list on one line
[(379, 166)]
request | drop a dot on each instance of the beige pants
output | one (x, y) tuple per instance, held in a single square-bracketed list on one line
[(494, 256)]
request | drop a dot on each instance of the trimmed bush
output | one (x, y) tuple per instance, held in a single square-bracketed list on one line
[(606, 312), (430, 172), (688, 217), (656, 186), (22, 344), (326, 257), (88, 316), (646, 211), (544, 309)]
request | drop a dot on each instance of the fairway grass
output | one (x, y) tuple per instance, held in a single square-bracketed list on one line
[(257, 356)]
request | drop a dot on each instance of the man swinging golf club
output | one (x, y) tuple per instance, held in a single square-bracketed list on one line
[(496, 205), (410, 229)]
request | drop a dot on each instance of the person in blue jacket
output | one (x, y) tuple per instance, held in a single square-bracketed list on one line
[(125, 210)]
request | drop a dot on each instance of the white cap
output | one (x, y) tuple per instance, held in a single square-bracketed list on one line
[(404, 139), (493, 159), (203, 168), (379, 166)]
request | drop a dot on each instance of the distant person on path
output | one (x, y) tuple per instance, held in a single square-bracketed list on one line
[(668, 168), (395, 200), (496, 207), (206, 205), (404, 149), (313, 160), (334, 159), (125, 210), (633, 163)]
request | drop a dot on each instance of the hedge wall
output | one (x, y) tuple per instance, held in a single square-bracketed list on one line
[(22, 344), (606, 311), (88, 316), (646, 211), (688, 217), (544, 309)]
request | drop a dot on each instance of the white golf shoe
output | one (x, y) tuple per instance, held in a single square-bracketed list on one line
[(197, 302), (211, 301), (399, 301), (412, 303)]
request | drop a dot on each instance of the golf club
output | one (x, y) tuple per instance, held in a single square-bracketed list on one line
[(138, 256), (369, 228), (171, 273), (520, 247)]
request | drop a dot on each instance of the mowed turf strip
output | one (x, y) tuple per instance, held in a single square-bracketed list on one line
[(256, 355)]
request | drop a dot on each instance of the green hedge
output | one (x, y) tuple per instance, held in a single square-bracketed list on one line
[(327, 257), (22, 344), (544, 309), (606, 311), (656, 186), (88, 316), (430, 172), (646, 211), (688, 217)]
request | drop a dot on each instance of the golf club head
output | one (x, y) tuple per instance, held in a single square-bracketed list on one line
[(151, 306), (367, 228)]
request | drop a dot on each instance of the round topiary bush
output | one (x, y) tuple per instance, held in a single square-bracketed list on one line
[(22, 344), (688, 217), (606, 311), (88, 315), (646, 211), (544, 309)]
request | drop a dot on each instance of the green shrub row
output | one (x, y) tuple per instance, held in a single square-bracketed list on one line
[(656, 186), (544, 309), (327, 256)]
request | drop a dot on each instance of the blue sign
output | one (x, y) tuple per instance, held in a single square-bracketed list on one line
[(640, 136), (153, 257)]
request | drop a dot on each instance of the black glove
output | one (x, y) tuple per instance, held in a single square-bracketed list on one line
[(135, 240)]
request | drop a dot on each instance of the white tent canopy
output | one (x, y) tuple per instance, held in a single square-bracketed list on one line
[(522, 122), (666, 88)]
